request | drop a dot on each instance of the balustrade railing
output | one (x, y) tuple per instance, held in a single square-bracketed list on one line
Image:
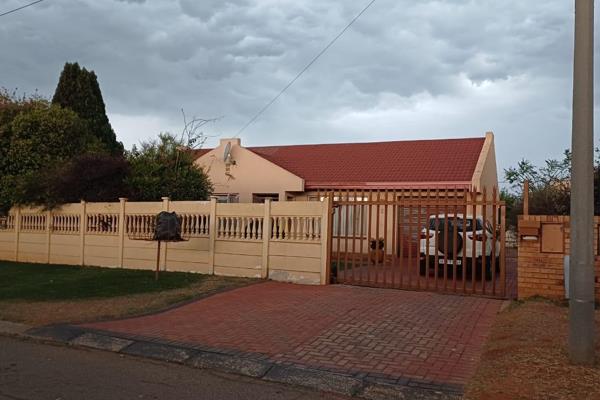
[(66, 223), (103, 224), (248, 228)]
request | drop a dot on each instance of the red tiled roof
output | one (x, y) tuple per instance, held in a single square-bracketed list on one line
[(443, 162), (197, 153)]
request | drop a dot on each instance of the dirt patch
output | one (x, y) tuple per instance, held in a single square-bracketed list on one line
[(526, 358), (40, 313)]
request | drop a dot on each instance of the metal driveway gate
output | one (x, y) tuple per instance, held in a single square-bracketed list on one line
[(450, 241)]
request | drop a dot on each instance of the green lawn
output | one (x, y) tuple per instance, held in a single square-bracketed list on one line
[(38, 282)]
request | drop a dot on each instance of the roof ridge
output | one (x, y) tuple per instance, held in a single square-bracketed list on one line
[(374, 142)]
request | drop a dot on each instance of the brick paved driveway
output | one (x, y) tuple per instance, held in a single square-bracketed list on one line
[(394, 335)]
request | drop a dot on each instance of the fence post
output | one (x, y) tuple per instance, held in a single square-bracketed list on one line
[(48, 234), (82, 231), (266, 237), (212, 235), (326, 242), (166, 201), (122, 203), (17, 231)]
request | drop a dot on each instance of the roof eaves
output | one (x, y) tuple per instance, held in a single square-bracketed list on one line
[(389, 185)]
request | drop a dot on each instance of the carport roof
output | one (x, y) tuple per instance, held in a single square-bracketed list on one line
[(440, 162)]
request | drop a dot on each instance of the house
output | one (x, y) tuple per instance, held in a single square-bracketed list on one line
[(305, 172)]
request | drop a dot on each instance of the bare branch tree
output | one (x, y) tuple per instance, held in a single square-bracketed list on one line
[(192, 135)]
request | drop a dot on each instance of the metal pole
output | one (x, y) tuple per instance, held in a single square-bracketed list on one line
[(581, 303), (157, 261)]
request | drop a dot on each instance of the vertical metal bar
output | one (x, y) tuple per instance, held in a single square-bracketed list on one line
[(454, 241), (157, 261), (401, 223), (338, 209), (474, 241), (355, 219), (385, 237), (418, 238), (446, 220), (363, 219), (427, 212), (409, 238), (370, 221), (464, 235), (377, 251), (394, 239), (347, 225), (329, 237), (494, 237), (484, 241), (503, 249), (436, 259)]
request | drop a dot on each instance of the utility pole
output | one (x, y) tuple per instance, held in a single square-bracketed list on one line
[(581, 303)]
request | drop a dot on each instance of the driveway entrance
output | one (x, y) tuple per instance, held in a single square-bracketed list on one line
[(445, 240), (413, 338)]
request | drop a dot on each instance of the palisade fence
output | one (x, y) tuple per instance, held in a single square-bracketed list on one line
[(445, 240), (284, 241)]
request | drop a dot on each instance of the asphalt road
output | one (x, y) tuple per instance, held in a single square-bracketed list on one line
[(31, 370)]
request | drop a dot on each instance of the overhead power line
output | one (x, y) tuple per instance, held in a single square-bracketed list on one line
[(315, 58), (20, 8)]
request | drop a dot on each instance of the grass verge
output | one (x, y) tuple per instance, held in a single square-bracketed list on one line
[(526, 357), (40, 294)]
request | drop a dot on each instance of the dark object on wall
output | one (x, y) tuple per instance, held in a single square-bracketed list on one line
[(168, 227), (164, 227)]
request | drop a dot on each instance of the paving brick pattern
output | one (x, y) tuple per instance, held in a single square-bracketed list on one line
[(395, 335)]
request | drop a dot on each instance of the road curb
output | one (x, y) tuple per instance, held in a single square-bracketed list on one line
[(361, 385), (13, 328), (316, 379)]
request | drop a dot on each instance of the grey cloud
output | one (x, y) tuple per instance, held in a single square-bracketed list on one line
[(405, 69)]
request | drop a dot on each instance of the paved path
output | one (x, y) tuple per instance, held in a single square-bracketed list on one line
[(30, 370), (398, 336)]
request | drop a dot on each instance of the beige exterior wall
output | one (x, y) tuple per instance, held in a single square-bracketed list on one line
[(283, 241), (486, 171), (248, 173)]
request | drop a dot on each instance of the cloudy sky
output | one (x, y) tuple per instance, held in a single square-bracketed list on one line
[(405, 70)]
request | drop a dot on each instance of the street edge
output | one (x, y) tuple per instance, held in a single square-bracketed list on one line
[(234, 362)]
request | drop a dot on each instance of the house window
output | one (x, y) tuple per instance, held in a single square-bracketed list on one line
[(261, 197), (227, 198)]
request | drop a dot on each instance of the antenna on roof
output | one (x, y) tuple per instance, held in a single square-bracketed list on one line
[(227, 155), (228, 160)]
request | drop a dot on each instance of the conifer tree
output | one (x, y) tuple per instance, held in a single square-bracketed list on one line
[(78, 90)]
